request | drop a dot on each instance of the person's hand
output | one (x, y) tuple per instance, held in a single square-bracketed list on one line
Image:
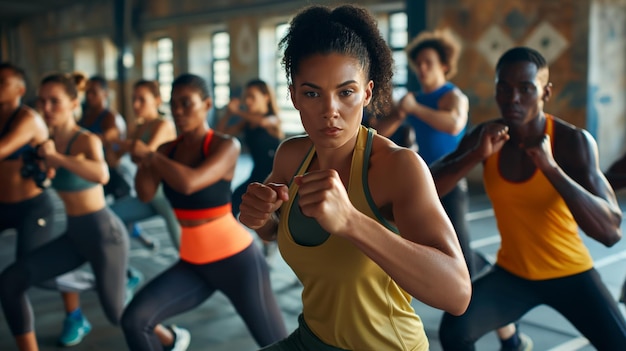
[(47, 151), (139, 150), (233, 105), (492, 138), (408, 104), (539, 149), (324, 197), (121, 146), (260, 202)]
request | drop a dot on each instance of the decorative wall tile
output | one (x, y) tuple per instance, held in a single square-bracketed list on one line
[(493, 43), (548, 41)]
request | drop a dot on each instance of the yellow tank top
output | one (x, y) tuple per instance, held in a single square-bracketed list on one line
[(540, 237), (349, 302)]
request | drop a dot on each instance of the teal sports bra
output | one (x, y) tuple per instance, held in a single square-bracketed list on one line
[(68, 181)]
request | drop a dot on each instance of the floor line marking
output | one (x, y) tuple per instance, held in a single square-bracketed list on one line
[(571, 345)]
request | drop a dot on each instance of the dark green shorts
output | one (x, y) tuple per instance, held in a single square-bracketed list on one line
[(302, 339)]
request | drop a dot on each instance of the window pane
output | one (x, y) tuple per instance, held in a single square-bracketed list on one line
[(165, 49), (398, 93), (282, 96), (166, 92), (165, 72), (221, 72), (221, 45), (281, 30), (400, 69), (398, 39), (398, 21), (222, 95)]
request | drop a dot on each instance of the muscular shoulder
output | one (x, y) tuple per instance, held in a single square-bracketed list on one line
[(225, 141), (33, 120), (454, 97), (86, 143), (394, 170), (573, 146)]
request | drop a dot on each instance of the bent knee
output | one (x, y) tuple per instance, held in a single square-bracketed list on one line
[(453, 333)]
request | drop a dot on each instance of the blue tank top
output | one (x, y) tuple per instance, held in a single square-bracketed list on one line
[(96, 126), (433, 144), (24, 148), (214, 195), (65, 180)]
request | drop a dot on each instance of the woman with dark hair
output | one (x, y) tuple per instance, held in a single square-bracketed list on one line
[(94, 234), (359, 219), (261, 129), (153, 130), (216, 252)]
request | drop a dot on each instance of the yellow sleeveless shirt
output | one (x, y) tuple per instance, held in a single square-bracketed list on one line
[(349, 302), (540, 237)]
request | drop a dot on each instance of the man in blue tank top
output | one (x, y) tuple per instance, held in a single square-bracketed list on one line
[(438, 116)]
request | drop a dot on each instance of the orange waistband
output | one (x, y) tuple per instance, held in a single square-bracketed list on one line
[(204, 213), (214, 240)]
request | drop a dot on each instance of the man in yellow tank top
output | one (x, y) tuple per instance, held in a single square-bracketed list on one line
[(542, 177)]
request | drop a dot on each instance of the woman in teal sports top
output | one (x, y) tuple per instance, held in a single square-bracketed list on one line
[(94, 234)]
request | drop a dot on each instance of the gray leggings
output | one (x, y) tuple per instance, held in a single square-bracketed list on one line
[(32, 219), (130, 209), (98, 238)]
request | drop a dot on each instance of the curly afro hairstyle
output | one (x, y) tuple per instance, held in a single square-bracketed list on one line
[(347, 30), (443, 42)]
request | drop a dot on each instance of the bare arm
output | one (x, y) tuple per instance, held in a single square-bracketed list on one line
[(474, 148), (583, 187), (388, 124), (164, 132), (232, 129), (450, 116), (147, 179), (260, 203), (22, 132), (86, 158), (187, 180)]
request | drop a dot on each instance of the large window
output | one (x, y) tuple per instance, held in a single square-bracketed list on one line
[(290, 117), (397, 40), (165, 66), (220, 49)]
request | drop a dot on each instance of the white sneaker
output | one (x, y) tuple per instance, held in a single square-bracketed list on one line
[(182, 338)]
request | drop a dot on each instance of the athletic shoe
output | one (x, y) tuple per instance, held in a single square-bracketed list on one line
[(182, 338), (135, 278), (145, 240), (74, 330), (526, 344)]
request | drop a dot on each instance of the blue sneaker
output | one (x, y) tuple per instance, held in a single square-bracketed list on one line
[(74, 330), (135, 278)]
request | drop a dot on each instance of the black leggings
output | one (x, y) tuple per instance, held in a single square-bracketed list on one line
[(243, 278), (99, 238), (500, 298)]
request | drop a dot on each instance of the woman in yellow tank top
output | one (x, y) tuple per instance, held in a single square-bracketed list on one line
[(360, 222), (542, 177)]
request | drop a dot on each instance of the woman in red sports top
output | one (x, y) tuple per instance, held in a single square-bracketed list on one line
[(216, 252)]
